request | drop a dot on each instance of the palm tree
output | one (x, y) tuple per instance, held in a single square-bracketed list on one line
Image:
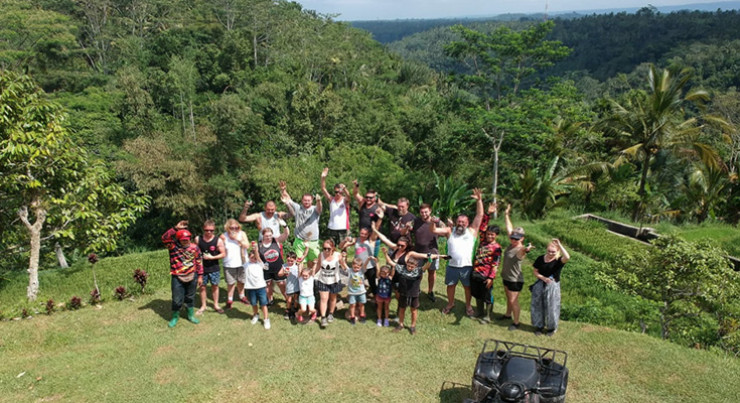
[(656, 120)]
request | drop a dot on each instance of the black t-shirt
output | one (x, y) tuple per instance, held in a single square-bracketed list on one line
[(272, 254), (396, 222), (549, 269), (367, 215), (424, 240), (209, 265)]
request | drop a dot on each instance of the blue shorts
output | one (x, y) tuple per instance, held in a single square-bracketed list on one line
[(213, 278), (357, 299), (258, 294), (306, 302), (461, 274)]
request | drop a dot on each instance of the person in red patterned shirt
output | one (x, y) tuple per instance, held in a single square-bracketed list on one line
[(485, 266), (186, 268)]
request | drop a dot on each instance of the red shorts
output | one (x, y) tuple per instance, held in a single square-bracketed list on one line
[(379, 299)]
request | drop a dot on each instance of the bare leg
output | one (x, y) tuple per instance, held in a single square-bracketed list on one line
[(230, 291), (352, 311), (203, 299), (269, 290), (240, 288), (450, 296), (264, 312), (414, 315), (332, 303), (214, 292), (362, 310), (323, 299), (512, 299), (430, 280), (401, 315)]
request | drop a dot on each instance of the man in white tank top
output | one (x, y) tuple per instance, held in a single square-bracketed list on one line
[(460, 248), (270, 218), (339, 204)]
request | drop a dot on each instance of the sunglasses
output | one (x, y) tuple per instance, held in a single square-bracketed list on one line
[(233, 227), (208, 230), (369, 197), (402, 245), (326, 249)]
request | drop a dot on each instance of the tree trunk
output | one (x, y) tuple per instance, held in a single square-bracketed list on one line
[(60, 256), (35, 235), (641, 192)]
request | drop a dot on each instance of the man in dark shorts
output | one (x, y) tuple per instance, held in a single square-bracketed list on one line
[(212, 249)]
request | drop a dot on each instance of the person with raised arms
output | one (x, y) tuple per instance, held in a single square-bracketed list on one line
[(306, 222), (270, 218), (339, 204), (546, 291), (460, 248), (511, 272), (485, 267)]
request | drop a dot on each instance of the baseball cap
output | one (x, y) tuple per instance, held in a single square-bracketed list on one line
[(182, 234)]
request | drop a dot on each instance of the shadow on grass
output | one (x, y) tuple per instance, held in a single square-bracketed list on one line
[(454, 392), (161, 307)]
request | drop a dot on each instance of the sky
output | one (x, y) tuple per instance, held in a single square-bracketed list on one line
[(351, 10)]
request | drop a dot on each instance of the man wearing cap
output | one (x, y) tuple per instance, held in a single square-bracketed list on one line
[(186, 269), (512, 269), (460, 248)]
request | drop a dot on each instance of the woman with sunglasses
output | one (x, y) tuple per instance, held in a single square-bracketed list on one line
[(511, 272), (236, 244), (546, 291), (406, 280), (327, 281)]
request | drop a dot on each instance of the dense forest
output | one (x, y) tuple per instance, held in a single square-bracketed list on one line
[(189, 107)]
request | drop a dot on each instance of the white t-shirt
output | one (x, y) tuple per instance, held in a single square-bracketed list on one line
[(460, 248), (306, 286), (338, 215), (233, 256), (291, 284), (255, 275)]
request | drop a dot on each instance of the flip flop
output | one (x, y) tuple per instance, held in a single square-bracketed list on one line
[(470, 312), (200, 311), (219, 310), (446, 310)]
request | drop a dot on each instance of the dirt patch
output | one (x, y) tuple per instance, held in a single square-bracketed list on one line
[(165, 376)]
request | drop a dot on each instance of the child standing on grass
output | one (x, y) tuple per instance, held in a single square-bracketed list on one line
[(256, 285), (383, 296), (292, 272), (306, 299), (356, 286)]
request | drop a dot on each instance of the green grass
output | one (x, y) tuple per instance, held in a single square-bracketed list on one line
[(125, 352)]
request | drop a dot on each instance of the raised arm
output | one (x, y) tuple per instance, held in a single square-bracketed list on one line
[(507, 219), (444, 231), (324, 174), (284, 196), (256, 251), (243, 217), (356, 192), (284, 235), (478, 196), (319, 204), (383, 238), (388, 259), (564, 255)]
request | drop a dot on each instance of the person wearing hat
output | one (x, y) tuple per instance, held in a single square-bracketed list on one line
[(186, 269), (512, 269)]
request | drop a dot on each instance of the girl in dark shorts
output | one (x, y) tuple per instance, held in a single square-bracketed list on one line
[(271, 252), (328, 281)]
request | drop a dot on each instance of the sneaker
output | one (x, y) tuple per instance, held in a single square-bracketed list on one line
[(313, 316), (397, 329), (504, 317), (538, 331), (432, 297), (270, 302), (330, 318), (244, 300), (412, 330), (552, 332), (323, 323), (286, 316), (362, 319), (228, 304), (267, 324), (255, 319), (380, 322), (386, 322), (352, 321), (514, 326), (484, 320)]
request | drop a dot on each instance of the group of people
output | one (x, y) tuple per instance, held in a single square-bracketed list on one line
[(318, 270)]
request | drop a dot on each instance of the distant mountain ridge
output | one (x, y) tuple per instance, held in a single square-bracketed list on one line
[(387, 31)]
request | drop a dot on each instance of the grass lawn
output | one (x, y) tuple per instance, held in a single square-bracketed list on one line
[(124, 351)]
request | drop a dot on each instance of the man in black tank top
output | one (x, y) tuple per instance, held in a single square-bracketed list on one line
[(366, 206), (212, 249)]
